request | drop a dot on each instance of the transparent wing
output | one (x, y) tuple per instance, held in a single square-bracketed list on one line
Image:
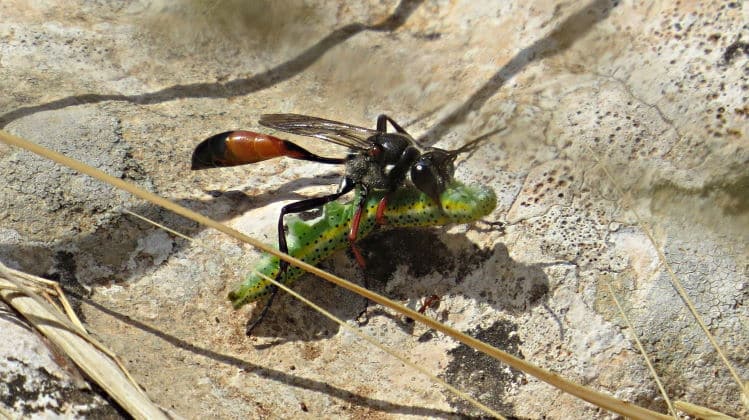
[(343, 134)]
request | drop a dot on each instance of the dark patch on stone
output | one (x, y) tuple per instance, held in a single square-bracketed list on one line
[(733, 50), (64, 272), (537, 290), (486, 379), (423, 251), (420, 249), (131, 169), (469, 259)]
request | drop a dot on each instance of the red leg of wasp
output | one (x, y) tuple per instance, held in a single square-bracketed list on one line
[(380, 216), (353, 233)]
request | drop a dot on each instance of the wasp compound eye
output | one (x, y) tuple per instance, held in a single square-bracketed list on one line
[(426, 177)]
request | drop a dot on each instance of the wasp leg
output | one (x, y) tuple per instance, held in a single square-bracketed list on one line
[(382, 121), (353, 233), (346, 186), (251, 326), (362, 319), (381, 207)]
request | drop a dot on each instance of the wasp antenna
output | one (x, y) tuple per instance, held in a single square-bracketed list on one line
[(473, 144)]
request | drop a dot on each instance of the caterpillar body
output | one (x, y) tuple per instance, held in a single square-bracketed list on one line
[(315, 240)]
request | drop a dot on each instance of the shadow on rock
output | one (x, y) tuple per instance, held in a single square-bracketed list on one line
[(407, 265)]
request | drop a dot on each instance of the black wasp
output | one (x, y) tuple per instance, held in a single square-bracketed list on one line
[(377, 160)]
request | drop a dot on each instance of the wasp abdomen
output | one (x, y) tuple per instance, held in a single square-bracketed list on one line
[(232, 148)]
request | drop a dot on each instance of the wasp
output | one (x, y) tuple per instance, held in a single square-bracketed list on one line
[(377, 161)]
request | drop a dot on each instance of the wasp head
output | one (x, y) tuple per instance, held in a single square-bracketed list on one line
[(434, 169)]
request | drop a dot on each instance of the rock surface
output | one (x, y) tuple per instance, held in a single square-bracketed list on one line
[(657, 93)]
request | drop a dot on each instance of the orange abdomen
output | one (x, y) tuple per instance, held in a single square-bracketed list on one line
[(233, 148), (250, 147), (240, 147)]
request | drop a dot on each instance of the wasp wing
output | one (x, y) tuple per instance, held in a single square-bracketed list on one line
[(347, 135)]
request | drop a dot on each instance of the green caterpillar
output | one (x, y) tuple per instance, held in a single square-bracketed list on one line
[(315, 240)]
